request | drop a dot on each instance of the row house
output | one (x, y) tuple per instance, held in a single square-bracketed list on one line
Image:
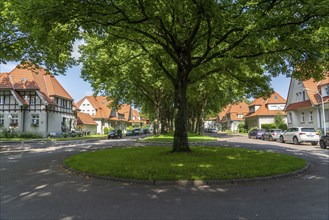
[(100, 110), (32, 100), (232, 116), (304, 103), (263, 111)]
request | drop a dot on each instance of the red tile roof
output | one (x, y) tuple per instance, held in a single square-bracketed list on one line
[(233, 110), (263, 110), (313, 86), (298, 105), (85, 119), (37, 79)]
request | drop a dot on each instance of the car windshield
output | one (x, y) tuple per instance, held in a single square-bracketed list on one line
[(308, 129)]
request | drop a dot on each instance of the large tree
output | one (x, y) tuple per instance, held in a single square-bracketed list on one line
[(189, 40)]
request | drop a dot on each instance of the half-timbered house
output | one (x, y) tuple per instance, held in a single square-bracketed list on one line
[(32, 100)]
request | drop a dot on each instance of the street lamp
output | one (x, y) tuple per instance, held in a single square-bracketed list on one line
[(323, 114)]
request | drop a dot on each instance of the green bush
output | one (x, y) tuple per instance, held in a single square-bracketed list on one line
[(30, 135), (106, 130), (129, 128), (283, 127), (9, 133), (242, 127), (268, 126)]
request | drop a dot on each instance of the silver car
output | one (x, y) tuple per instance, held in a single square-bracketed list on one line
[(299, 135), (272, 134)]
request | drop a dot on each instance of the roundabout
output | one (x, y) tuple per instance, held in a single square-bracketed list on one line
[(34, 186), (208, 164)]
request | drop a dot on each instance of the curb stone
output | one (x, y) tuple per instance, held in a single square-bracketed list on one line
[(191, 182)]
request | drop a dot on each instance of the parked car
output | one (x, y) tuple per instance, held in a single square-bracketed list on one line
[(256, 133), (145, 131), (129, 133), (136, 131), (324, 141), (213, 130), (272, 134), (114, 134), (299, 135)]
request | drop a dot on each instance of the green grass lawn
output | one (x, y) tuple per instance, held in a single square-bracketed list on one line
[(203, 163), (170, 138)]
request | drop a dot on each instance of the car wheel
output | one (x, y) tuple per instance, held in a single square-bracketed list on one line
[(281, 139), (296, 140), (270, 138), (323, 144), (314, 143)]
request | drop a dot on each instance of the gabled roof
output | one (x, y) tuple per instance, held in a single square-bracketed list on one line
[(5, 81), (100, 104), (23, 78), (85, 119), (233, 110), (275, 98), (263, 110), (311, 87)]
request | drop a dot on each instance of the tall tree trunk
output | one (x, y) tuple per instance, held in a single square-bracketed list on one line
[(180, 136), (202, 116)]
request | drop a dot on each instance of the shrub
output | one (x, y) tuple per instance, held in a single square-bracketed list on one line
[(268, 126), (106, 130), (129, 128), (283, 127), (30, 135), (242, 127)]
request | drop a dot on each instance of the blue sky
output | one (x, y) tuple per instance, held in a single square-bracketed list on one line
[(78, 88)]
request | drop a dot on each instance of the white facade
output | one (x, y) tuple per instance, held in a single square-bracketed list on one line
[(29, 113), (302, 111)]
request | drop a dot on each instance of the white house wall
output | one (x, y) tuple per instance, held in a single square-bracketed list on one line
[(87, 108)]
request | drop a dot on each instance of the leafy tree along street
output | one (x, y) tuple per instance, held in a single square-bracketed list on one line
[(181, 45)]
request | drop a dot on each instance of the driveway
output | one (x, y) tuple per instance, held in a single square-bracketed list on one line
[(34, 186)]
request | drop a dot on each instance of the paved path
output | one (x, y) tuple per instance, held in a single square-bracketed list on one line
[(34, 186)]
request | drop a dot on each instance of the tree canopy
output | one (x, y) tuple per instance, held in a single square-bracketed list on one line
[(183, 41)]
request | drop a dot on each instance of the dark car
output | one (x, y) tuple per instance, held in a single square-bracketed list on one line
[(324, 141), (114, 134), (137, 131), (272, 134), (145, 131), (256, 133), (129, 133)]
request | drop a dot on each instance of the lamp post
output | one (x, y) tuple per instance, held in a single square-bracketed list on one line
[(323, 114)]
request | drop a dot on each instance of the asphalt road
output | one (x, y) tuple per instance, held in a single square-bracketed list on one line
[(35, 186)]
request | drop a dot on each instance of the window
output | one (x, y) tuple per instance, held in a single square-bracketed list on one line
[(2, 120), (35, 120), (311, 117), (2, 100), (13, 120), (303, 117), (327, 90), (290, 117), (303, 95), (240, 115), (32, 100)]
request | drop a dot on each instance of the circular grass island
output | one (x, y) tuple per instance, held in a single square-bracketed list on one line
[(203, 163)]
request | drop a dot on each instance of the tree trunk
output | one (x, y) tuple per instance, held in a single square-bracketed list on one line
[(180, 136), (202, 116)]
